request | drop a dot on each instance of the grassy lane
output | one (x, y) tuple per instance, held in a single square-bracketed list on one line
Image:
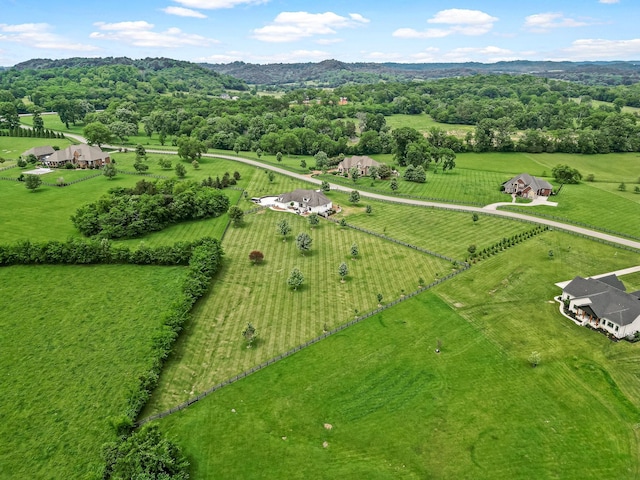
[(477, 410), (211, 349), (73, 340)]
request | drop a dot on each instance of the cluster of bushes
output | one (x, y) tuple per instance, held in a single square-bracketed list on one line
[(227, 180), (415, 174), (30, 132), (503, 244), (90, 251), (150, 206)]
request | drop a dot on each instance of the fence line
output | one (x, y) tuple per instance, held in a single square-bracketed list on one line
[(297, 348)]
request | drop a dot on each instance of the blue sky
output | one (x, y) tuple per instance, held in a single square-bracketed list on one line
[(268, 31)]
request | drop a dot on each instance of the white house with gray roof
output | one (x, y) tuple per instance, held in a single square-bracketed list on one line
[(604, 303), (304, 201), (525, 185)]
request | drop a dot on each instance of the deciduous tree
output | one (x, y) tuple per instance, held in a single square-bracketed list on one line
[(303, 242), (32, 182), (343, 271), (295, 279)]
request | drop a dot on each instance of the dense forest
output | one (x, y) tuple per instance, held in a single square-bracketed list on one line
[(332, 73), (181, 103)]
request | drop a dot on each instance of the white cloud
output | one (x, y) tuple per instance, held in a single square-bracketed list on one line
[(217, 4), (284, 57), (141, 34), (609, 1), (595, 48), (543, 22), (460, 21), (183, 12), (39, 35), (293, 26), (329, 41)]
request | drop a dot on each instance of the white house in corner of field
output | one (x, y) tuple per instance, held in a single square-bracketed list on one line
[(304, 201), (604, 303)]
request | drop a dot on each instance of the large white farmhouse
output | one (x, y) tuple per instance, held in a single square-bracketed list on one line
[(304, 201)]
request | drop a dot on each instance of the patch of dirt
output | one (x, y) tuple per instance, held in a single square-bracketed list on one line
[(328, 426), (458, 305), (325, 444)]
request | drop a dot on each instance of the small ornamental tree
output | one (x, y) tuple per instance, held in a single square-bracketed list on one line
[(471, 249), (141, 153), (279, 157), (368, 209), (295, 279), (534, 359), (343, 271), (195, 164), (314, 220), (271, 176), (475, 217), (354, 196), (250, 335), (354, 251), (109, 171), (325, 186), (180, 170), (32, 182), (343, 222), (394, 184), (256, 256), (22, 163), (236, 215), (303, 242), (164, 163), (379, 297), (284, 228), (140, 166), (32, 159), (259, 152), (622, 187), (354, 173), (303, 163)]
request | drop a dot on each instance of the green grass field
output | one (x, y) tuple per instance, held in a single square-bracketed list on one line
[(212, 348), (73, 341), (477, 410), (12, 147), (424, 122)]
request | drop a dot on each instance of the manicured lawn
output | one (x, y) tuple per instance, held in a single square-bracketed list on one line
[(12, 147), (477, 410), (211, 349), (631, 281), (442, 231), (73, 341), (598, 204)]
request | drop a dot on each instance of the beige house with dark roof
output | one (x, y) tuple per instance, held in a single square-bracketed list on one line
[(82, 156), (41, 153), (525, 185), (362, 163)]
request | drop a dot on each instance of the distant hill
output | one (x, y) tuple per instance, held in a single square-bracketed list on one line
[(332, 73)]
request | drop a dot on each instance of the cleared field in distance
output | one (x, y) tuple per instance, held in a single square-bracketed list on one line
[(12, 147), (211, 348), (396, 409), (73, 341), (424, 122)]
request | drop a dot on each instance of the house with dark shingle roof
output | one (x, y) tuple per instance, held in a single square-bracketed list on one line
[(41, 153), (362, 163), (82, 156), (603, 303), (525, 185), (304, 201)]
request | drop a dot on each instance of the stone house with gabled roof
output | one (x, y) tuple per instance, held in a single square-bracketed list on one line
[(40, 153), (304, 201), (603, 303), (362, 163), (525, 185), (81, 156)]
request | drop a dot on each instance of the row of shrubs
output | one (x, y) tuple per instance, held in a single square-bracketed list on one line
[(31, 133), (505, 243), (91, 251)]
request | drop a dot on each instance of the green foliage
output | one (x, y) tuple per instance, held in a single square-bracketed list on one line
[(566, 174), (343, 270), (313, 219), (32, 182), (283, 228), (164, 163), (109, 170), (415, 174), (180, 170), (622, 187), (394, 184), (303, 242), (325, 186), (236, 215), (534, 359), (146, 453), (354, 196), (250, 335), (369, 209), (256, 256), (354, 251), (140, 166), (295, 279)]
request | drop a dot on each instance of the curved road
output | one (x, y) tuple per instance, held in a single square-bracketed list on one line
[(408, 201)]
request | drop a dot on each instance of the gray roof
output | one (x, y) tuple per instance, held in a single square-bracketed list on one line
[(85, 152), (536, 183), (312, 198), (607, 301), (39, 151), (613, 281), (356, 160)]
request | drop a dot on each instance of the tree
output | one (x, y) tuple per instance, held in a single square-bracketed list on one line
[(394, 184), (141, 153), (636, 189), (325, 186), (343, 271), (475, 217), (250, 335), (190, 148), (256, 256), (354, 196), (123, 130), (373, 172), (321, 160), (164, 163), (259, 153), (97, 133), (271, 176), (354, 173), (368, 209), (471, 249), (284, 228), (314, 220), (279, 157), (181, 172), (566, 174), (32, 182), (236, 215), (140, 166), (622, 187), (303, 242), (295, 278), (303, 163), (534, 359), (550, 254), (379, 297), (195, 164), (354, 251), (109, 171), (21, 163), (384, 171)]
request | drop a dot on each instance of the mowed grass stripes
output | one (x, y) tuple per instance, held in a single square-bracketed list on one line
[(211, 348)]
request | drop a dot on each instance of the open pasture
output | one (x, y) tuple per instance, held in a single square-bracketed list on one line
[(376, 401), (12, 147), (211, 348), (424, 122), (73, 341)]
